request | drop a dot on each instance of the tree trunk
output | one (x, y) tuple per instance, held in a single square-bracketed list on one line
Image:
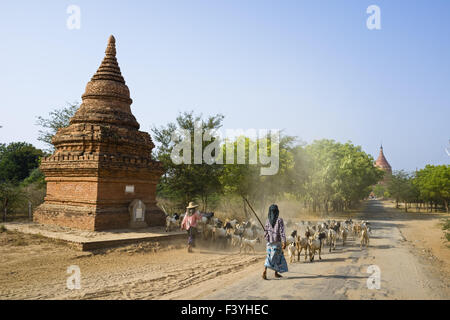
[(245, 209)]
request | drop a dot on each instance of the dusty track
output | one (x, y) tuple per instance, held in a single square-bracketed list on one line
[(38, 270)]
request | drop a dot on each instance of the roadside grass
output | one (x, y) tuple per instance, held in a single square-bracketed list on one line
[(446, 228), (2, 228)]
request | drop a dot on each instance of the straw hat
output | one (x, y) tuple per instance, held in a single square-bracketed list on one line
[(191, 205)]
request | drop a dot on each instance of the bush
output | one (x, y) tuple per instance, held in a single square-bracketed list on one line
[(446, 225)]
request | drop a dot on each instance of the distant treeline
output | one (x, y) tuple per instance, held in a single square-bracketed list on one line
[(326, 176), (428, 188)]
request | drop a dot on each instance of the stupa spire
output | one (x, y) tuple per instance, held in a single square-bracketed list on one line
[(109, 68), (106, 98), (382, 162)]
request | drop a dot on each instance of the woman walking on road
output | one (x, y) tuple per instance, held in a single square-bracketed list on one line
[(276, 242)]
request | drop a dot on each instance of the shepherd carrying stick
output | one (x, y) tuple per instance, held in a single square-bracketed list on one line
[(276, 242)]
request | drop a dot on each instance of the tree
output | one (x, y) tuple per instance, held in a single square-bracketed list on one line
[(339, 174), (186, 182), (17, 160), (399, 187), (433, 183), (58, 118), (245, 180), (379, 190), (11, 196)]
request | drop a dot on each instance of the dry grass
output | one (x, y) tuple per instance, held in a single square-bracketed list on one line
[(15, 238), (446, 228)]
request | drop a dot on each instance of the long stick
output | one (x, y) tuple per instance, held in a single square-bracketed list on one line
[(164, 210), (245, 199)]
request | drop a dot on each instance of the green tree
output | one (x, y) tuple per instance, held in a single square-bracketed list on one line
[(36, 177), (185, 182), (340, 175), (245, 180), (11, 197), (58, 118), (433, 184), (399, 187), (17, 160), (379, 190)]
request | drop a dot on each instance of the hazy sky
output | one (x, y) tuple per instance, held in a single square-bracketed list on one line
[(309, 67)]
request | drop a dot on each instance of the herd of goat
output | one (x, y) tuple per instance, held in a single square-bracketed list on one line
[(304, 236)]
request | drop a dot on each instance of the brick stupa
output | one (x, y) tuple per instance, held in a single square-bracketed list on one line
[(384, 165), (102, 162)]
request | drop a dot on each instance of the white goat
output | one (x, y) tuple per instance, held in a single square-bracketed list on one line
[(172, 222), (292, 248), (248, 244)]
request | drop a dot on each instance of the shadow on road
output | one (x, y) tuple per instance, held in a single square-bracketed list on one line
[(321, 276)]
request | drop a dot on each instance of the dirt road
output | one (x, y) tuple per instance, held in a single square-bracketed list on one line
[(33, 268), (343, 274)]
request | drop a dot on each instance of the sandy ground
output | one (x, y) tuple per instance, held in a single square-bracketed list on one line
[(409, 250)]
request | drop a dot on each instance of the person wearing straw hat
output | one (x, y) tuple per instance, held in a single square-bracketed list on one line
[(189, 223)]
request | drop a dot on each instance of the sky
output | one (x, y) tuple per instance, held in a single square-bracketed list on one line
[(311, 68)]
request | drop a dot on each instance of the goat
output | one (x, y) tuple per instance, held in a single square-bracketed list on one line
[(302, 243), (232, 223), (235, 240), (332, 235), (221, 235), (217, 222), (207, 231), (344, 234), (356, 229), (315, 244), (291, 239), (291, 251), (246, 230), (364, 237), (172, 221), (239, 230), (248, 244), (259, 233)]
